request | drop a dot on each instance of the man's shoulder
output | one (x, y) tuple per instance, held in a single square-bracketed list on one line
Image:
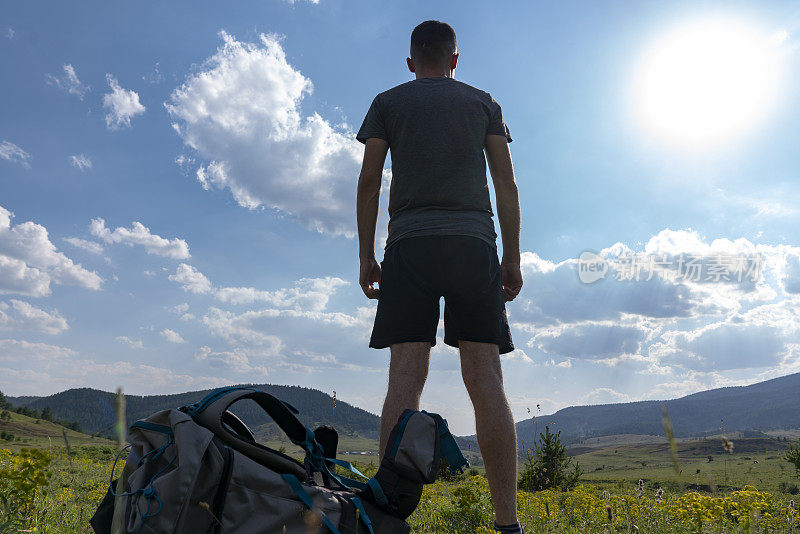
[(412, 86), (472, 89), (396, 90)]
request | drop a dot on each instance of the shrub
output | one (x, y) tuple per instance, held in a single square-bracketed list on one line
[(443, 472), (22, 477), (793, 456), (549, 466)]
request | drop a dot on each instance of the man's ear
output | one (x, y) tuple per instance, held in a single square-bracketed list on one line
[(453, 62), (410, 63)]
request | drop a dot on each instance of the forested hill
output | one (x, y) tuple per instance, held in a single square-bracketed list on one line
[(774, 404), (94, 409)]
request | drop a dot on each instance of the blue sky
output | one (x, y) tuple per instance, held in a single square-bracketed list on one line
[(177, 187)]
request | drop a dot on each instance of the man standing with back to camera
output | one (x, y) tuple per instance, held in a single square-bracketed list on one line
[(441, 243)]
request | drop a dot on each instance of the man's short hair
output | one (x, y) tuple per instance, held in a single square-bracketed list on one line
[(433, 43)]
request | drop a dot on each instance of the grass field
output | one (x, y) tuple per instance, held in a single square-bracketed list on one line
[(748, 490), (41, 434)]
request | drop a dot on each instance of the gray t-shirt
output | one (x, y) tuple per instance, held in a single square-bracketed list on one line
[(436, 129)]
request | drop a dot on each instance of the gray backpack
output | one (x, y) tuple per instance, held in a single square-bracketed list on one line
[(198, 469)]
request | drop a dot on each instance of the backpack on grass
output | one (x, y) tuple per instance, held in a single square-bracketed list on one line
[(199, 469)]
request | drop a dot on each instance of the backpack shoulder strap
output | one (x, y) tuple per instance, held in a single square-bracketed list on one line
[(212, 413)]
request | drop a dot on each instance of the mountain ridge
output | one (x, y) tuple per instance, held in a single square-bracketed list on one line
[(767, 405), (94, 408)]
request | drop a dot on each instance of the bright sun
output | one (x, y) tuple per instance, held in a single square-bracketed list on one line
[(708, 80)]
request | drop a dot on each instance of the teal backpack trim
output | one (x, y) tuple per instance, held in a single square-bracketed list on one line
[(448, 448), (303, 495), (198, 407), (400, 430), (362, 514)]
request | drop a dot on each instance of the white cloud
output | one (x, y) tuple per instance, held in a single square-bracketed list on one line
[(139, 234), (192, 280), (29, 262), (180, 308), (88, 246), (18, 315), (81, 162), (11, 152), (758, 338), (790, 281), (122, 105), (239, 360), (236, 359), (240, 329), (37, 368), (9, 33), (668, 325), (553, 295), (16, 277), (17, 351), (172, 336), (252, 327), (308, 294), (154, 77), (240, 112), (605, 395), (183, 311), (132, 343), (515, 355), (69, 82), (592, 341)]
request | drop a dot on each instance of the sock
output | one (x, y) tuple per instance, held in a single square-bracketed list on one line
[(514, 528)]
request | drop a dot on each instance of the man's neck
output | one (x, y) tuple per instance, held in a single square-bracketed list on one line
[(433, 74)]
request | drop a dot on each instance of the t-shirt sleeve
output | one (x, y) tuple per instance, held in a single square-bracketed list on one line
[(497, 125), (373, 125)]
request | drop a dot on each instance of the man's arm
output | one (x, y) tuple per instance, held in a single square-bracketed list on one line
[(369, 192), (508, 211)]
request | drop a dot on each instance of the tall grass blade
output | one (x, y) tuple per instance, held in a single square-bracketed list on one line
[(673, 445), (117, 523)]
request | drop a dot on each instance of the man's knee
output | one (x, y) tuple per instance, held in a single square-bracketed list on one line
[(482, 382), (409, 365), (480, 367)]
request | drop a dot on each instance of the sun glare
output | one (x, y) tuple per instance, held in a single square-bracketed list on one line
[(708, 80)]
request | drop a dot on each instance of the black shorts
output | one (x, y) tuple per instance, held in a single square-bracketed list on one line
[(417, 271)]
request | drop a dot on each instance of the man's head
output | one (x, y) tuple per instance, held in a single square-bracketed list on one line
[(433, 49)]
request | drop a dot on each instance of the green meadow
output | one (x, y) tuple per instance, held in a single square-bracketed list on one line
[(750, 489)]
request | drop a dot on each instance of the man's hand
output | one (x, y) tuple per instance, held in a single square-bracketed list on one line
[(369, 274), (512, 280)]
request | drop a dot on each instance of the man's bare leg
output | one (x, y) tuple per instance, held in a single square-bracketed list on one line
[(494, 424), (408, 371)]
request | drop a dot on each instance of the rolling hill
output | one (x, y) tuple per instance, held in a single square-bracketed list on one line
[(770, 405), (94, 409), (17, 430)]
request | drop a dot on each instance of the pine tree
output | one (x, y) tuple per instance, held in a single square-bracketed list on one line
[(4, 404), (549, 465), (793, 456), (47, 414)]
